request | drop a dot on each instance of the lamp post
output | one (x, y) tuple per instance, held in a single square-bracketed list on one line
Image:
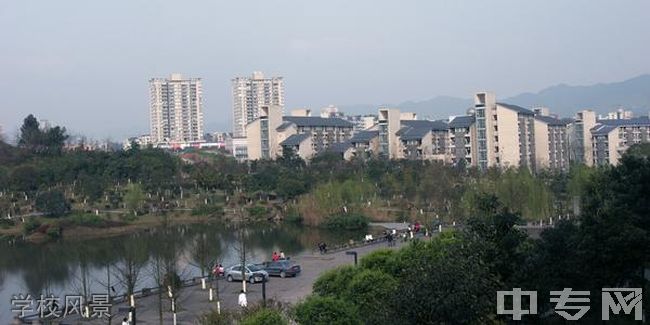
[(353, 253)]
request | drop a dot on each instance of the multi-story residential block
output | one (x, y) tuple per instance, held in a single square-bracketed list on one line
[(262, 134), (612, 137), (176, 110), (250, 94), (505, 133), (462, 139), (238, 147), (551, 143), (580, 138), (272, 133), (423, 139)]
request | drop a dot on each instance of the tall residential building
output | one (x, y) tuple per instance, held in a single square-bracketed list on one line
[(176, 110), (580, 137), (505, 133), (250, 94)]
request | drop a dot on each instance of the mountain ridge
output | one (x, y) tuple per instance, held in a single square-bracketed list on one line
[(562, 99)]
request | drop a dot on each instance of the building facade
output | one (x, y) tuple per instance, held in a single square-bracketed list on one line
[(176, 110), (250, 94), (612, 137)]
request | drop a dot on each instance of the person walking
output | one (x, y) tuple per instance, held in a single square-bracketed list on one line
[(243, 302), (125, 321), (282, 257), (275, 256)]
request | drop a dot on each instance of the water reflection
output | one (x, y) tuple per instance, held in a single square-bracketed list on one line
[(71, 267)]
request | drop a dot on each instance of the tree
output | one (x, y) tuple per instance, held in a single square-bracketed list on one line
[(318, 310), (370, 291), (444, 282), (30, 132), (133, 197), (52, 203), (35, 140)]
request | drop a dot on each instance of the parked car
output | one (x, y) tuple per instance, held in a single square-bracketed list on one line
[(281, 268), (253, 273)]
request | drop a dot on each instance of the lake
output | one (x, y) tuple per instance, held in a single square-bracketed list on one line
[(71, 267)]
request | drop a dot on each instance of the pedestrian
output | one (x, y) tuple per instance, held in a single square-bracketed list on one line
[(125, 321), (243, 302), (220, 270), (275, 256), (282, 257)]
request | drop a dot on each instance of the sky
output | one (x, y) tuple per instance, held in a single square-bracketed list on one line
[(86, 64)]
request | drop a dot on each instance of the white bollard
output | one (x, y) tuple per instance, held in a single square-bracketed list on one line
[(219, 307), (454, 223), (211, 297), (203, 283), (439, 228)]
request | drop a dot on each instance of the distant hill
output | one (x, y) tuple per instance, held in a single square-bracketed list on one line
[(632, 94), (564, 100)]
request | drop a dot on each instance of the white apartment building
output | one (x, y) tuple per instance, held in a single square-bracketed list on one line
[(249, 94), (176, 110), (505, 133)]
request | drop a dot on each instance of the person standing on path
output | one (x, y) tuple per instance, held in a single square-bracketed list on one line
[(243, 302)]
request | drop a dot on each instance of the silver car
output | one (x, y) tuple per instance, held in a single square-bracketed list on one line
[(253, 273)]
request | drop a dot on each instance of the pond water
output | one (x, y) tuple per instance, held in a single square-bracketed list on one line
[(62, 268)]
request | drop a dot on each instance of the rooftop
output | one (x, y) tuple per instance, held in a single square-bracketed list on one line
[(364, 136), (517, 109), (461, 121), (339, 147), (552, 120), (312, 121), (295, 139)]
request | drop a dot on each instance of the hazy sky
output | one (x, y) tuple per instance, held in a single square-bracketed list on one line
[(86, 64)]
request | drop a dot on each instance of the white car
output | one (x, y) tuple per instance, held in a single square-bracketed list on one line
[(253, 273)]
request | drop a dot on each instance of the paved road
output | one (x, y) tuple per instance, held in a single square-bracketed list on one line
[(193, 302)]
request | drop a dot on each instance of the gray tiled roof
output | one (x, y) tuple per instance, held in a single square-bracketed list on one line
[(339, 147), (551, 120), (602, 129), (413, 133), (295, 139), (284, 126), (641, 120), (364, 136), (517, 109), (461, 121), (318, 121), (416, 129)]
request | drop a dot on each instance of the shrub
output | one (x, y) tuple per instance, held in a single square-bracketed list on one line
[(30, 225), (264, 317), (317, 310), (257, 211), (383, 260), (86, 219), (346, 221), (370, 291), (335, 282), (53, 232), (294, 217)]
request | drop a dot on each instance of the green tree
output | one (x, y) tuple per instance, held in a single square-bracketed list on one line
[(134, 197), (52, 203), (371, 292)]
